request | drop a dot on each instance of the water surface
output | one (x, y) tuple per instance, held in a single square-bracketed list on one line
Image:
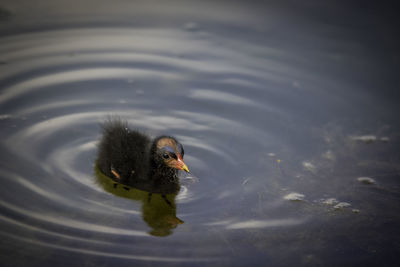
[(288, 116)]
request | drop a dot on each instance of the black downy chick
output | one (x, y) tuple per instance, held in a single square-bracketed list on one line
[(132, 158)]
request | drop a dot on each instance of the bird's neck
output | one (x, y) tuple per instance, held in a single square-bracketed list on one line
[(158, 170), (161, 171)]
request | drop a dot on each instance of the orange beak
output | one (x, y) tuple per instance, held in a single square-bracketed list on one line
[(180, 164)]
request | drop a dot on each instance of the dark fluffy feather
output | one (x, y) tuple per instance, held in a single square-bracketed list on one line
[(135, 158)]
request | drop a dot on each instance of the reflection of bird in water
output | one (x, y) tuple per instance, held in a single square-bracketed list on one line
[(158, 210), (131, 158), (142, 169)]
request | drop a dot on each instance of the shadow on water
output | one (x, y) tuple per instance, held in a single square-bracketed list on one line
[(158, 209)]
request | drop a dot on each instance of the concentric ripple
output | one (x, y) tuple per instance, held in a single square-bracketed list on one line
[(233, 105), (55, 96)]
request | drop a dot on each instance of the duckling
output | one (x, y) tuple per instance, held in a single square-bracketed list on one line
[(131, 158)]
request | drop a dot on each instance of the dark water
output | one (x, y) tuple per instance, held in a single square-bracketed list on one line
[(283, 108)]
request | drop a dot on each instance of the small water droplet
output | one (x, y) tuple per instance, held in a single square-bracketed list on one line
[(329, 201), (385, 139), (5, 116), (294, 197), (341, 205), (246, 180), (309, 166), (365, 138), (329, 155), (366, 180)]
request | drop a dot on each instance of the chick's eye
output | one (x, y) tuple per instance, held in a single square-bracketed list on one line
[(165, 156)]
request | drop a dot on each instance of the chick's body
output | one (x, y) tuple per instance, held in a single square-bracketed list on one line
[(132, 158), (124, 151)]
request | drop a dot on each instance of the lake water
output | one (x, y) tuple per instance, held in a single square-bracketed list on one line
[(288, 113)]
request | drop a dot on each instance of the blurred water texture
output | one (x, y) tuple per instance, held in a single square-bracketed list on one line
[(288, 112)]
